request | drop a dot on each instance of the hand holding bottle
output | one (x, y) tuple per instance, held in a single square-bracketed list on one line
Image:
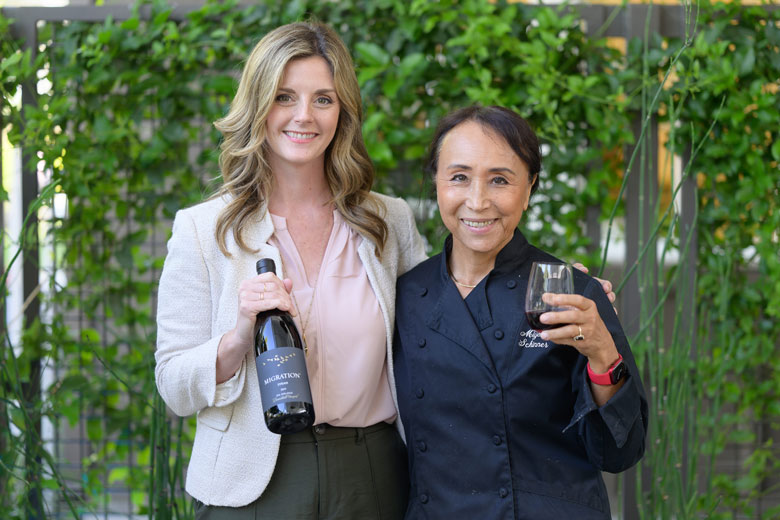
[(255, 295), (259, 294)]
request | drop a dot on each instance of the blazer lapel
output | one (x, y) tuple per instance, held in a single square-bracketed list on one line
[(451, 318), (257, 231)]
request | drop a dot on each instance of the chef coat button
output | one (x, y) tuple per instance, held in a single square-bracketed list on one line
[(423, 291), (503, 492), (496, 440), (421, 343), (499, 334), (419, 393), (422, 446), (424, 498), (511, 284), (491, 388)]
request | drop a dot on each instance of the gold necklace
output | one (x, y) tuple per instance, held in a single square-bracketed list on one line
[(462, 284), (305, 320)]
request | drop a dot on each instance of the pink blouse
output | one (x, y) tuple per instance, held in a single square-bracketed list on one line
[(345, 331)]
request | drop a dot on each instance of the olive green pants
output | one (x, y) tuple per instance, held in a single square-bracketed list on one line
[(328, 473)]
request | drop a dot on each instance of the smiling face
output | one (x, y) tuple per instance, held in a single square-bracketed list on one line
[(304, 116), (482, 188)]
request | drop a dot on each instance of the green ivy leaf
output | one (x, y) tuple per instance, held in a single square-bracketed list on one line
[(90, 335), (118, 475), (131, 24), (372, 54), (94, 429), (776, 150), (746, 61)]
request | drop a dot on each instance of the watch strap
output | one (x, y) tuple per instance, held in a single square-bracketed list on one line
[(607, 378)]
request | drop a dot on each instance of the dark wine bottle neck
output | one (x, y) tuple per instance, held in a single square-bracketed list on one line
[(265, 265)]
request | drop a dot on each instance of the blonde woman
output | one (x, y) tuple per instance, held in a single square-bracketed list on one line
[(297, 183)]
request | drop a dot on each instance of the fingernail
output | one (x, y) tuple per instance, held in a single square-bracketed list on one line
[(544, 335)]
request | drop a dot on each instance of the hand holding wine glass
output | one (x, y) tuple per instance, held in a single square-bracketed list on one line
[(565, 318), (546, 277)]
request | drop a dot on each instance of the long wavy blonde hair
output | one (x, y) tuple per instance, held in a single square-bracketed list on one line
[(247, 177)]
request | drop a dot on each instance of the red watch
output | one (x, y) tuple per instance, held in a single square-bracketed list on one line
[(616, 372)]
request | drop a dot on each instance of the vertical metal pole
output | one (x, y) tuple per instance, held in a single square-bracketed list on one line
[(641, 194), (593, 230), (631, 300), (639, 211), (2, 256), (689, 201), (621, 489), (4, 426), (27, 30), (688, 265)]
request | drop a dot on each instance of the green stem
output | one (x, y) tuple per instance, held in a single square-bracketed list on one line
[(685, 175), (646, 119)]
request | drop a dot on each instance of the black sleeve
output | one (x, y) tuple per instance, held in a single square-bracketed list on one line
[(613, 434)]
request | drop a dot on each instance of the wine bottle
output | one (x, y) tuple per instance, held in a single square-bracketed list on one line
[(281, 368)]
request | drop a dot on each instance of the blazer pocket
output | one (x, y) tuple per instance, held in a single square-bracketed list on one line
[(216, 417)]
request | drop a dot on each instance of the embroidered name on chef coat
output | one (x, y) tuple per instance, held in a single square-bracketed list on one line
[(528, 339)]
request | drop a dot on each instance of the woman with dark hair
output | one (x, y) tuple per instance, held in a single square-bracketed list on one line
[(503, 421)]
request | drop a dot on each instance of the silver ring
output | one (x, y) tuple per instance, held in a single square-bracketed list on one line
[(579, 337)]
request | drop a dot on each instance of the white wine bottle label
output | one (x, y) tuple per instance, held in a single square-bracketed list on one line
[(282, 375)]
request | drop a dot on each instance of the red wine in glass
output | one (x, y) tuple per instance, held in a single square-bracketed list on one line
[(546, 277), (533, 321)]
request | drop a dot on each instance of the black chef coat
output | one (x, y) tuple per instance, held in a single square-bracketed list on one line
[(499, 423)]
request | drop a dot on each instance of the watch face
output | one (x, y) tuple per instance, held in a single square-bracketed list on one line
[(618, 372)]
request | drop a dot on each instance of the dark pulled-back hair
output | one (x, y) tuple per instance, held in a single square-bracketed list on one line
[(505, 123)]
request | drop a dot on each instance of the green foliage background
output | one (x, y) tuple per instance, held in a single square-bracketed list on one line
[(734, 63), (126, 129)]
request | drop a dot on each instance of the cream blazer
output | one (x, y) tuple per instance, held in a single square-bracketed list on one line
[(234, 454)]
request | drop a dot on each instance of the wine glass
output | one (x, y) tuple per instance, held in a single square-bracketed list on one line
[(546, 277)]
